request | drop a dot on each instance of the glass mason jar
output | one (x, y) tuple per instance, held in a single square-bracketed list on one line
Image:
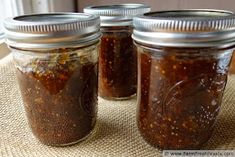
[(183, 62), (56, 57), (118, 57)]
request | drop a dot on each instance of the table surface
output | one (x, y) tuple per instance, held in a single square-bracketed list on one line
[(116, 132)]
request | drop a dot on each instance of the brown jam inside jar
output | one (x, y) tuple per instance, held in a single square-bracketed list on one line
[(56, 60), (117, 63), (180, 94), (117, 58), (59, 92)]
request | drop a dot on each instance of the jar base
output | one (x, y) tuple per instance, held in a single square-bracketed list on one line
[(118, 98), (89, 135), (198, 147)]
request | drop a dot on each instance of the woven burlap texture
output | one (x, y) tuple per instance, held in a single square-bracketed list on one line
[(116, 131)]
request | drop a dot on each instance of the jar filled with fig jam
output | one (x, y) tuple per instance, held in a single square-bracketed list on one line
[(118, 57), (183, 62), (56, 58)]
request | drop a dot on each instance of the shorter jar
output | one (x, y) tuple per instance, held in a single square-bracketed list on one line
[(117, 58), (182, 75), (57, 71), (117, 63)]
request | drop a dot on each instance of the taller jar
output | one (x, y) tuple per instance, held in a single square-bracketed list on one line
[(117, 58), (56, 58), (183, 62)]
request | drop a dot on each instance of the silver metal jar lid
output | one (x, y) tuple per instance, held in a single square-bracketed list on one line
[(186, 28), (55, 30), (118, 15)]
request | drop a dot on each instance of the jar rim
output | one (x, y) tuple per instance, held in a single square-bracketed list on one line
[(186, 28), (119, 14), (52, 30)]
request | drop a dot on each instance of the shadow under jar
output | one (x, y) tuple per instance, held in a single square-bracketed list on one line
[(117, 56), (182, 74), (57, 75)]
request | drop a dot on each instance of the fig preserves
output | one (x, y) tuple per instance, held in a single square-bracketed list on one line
[(179, 99), (60, 95), (117, 58), (183, 63), (56, 59), (117, 63)]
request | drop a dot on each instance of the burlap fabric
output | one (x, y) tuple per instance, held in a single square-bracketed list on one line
[(116, 132)]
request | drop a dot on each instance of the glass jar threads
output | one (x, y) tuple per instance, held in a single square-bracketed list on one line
[(183, 62), (56, 58), (117, 58)]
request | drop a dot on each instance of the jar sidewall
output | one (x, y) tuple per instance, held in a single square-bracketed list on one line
[(153, 63), (23, 60), (29, 54), (114, 29), (190, 51)]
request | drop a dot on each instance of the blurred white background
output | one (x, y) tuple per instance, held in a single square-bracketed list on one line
[(166, 4)]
